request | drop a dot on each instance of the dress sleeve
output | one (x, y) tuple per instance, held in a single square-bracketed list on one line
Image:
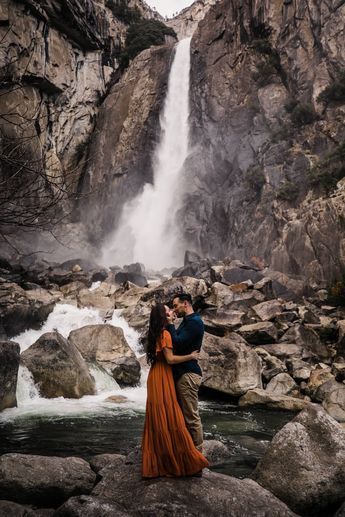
[(164, 341)]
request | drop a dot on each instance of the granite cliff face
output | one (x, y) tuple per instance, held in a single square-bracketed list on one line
[(259, 129), (186, 22)]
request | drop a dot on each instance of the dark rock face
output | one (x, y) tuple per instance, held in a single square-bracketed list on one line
[(212, 495), (304, 464), (126, 371), (58, 367), (9, 364), (20, 310), (126, 134), (42, 480), (248, 190)]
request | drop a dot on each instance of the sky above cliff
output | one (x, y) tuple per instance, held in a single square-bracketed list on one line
[(168, 7)]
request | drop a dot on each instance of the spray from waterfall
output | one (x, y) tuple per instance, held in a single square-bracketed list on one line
[(147, 231)]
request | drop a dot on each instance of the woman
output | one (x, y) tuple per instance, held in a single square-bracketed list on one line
[(167, 447)]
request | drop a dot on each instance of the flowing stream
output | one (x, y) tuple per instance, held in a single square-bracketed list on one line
[(91, 425), (147, 230)]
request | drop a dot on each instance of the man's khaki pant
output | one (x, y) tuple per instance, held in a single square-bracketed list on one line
[(187, 388)]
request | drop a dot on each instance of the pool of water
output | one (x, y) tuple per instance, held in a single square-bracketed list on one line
[(118, 430)]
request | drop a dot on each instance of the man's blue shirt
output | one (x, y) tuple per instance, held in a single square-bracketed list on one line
[(186, 339)]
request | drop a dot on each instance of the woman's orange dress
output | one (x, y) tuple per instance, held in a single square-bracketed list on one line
[(167, 447)]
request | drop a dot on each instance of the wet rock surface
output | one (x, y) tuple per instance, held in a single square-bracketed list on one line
[(9, 364), (58, 368)]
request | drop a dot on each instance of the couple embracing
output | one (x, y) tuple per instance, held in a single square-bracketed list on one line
[(173, 437)]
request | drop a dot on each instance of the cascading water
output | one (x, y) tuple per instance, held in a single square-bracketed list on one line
[(147, 231)]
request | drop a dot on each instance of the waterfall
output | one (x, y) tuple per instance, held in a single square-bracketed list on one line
[(147, 231)]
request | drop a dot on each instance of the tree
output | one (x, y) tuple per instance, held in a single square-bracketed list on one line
[(36, 193)]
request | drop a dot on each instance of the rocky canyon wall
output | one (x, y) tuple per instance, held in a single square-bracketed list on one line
[(267, 150)]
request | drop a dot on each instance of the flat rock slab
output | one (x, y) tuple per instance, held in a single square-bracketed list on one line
[(262, 398), (212, 495), (42, 480), (304, 464)]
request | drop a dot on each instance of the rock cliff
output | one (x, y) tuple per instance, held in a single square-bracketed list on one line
[(186, 22), (267, 149)]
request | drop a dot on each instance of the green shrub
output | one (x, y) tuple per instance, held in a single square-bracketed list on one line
[(334, 92), (122, 12), (287, 191), (141, 35), (265, 72), (290, 105), (336, 293), (328, 171), (254, 178), (303, 114)]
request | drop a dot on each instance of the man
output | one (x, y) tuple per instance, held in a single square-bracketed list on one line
[(187, 375)]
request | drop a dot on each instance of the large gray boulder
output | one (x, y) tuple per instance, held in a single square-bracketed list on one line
[(281, 384), (308, 340), (229, 365), (58, 367), (9, 364), (107, 345), (43, 480), (268, 310), (259, 333), (263, 398), (304, 464), (212, 495)]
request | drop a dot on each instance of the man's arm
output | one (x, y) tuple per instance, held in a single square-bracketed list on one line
[(190, 333)]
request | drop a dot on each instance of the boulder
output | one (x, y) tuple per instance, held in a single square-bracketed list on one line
[(272, 365), (281, 384), (230, 297), (58, 367), (11, 509), (318, 377), (100, 461), (262, 398), (89, 506), (338, 370), (9, 364), (229, 365), (298, 369), (96, 299), (216, 452), (107, 345), (20, 310), (43, 480), (259, 333), (308, 314), (308, 340), (212, 495), (126, 371), (283, 350), (164, 292), (304, 464), (219, 321), (334, 402), (268, 310), (135, 278)]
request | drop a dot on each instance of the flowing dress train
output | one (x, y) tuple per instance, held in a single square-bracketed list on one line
[(167, 447)]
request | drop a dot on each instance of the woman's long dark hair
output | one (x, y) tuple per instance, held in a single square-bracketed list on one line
[(158, 322)]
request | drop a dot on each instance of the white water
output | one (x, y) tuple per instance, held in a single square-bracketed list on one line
[(64, 319), (147, 231)]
